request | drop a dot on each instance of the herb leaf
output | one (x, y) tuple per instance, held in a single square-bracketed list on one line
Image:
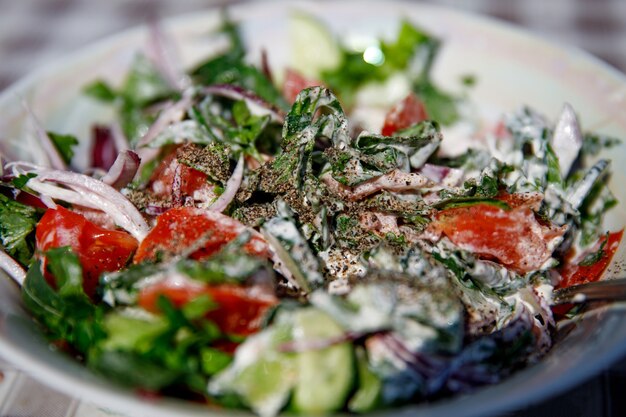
[(17, 227), (64, 144)]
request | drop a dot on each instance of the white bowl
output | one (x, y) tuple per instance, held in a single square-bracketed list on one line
[(512, 68)]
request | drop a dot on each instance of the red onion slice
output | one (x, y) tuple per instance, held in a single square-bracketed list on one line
[(232, 186), (123, 170), (567, 139), (12, 268), (85, 191), (442, 175), (103, 150), (172, 114), (54, 158), (119, 138), (396, 181), (256, 104), (162, 53)]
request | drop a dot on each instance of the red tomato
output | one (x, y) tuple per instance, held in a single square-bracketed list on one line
[(99, 250), (572, 273), (190, 181), (240, 309), (181, 228), (404, 114), (294, 83), (512, 237)]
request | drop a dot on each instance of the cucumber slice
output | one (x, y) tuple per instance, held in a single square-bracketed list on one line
[(127, 332), (260, 376), (265, 385), (325, 376), (367, 397), (313, 47)]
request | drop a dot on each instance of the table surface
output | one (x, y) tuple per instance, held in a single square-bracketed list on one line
[(35, 32)]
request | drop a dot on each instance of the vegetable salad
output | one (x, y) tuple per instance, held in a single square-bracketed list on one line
[(270, 240)]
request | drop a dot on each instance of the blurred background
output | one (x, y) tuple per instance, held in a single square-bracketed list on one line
[(34, 33)]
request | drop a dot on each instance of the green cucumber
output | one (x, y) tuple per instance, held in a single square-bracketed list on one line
[(132, 333), (313, 47), (260, 375), (325, 376), (367, 396), (265, 385)]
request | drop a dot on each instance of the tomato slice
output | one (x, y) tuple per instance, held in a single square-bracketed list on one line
[(294, 83), (172, 179), (99, 250), (181, 229), (404, 114), (512, 237), (572, 273), (239, 310)]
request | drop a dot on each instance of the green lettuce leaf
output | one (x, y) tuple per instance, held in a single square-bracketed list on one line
[(17, 229)]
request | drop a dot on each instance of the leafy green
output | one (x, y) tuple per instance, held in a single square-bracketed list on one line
[(144, 85), (230, 265), (593, 143), (65, 266), (20, 181), (122, 287), (554, 173), (67, 314), (354, 71), (64, 144), (17, 226), (293, 250), (126, 332), (594, 257), (372, 155), (214, 360), (470, 201), (101, 91), (596, 204), (300, 130), (413, 50), (159, 352), (132, 369), (236, 127), (230, 68), (440, 105)]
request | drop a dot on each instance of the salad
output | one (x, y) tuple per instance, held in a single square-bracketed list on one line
[(280, 241)]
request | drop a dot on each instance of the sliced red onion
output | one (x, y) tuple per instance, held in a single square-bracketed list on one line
[(177, 192), (232, 186), (155, 210), (379, 223), (298, 346), (103, 152), (162, 53), (12, 268), (172, 114), (442, 174), (85, 191), (567, 139), (48, 202), (54, 158), (119, 138), (396, 181), (265, 66), (123, 170), (256, 104)]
